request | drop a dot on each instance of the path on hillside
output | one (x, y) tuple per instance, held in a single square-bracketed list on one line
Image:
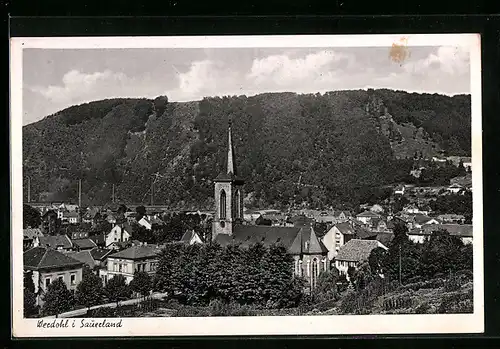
[(83, 311)]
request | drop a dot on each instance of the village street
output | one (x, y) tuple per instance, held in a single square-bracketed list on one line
[(83, 311)]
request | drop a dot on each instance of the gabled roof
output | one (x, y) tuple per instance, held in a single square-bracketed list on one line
[(84, 257), (188, 235), (368, 214), (357, 250), (31, 233), (137, 252), (292, 238), (44, 258), (99, 239), (346, 228), (421, 219), (54, 241), (84, 243), (461, 230), (99, 253)]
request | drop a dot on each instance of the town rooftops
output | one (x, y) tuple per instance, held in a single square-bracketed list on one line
[(297, 240), (188, 235), (368, 214), (84, 243), (346, 228), (99, 254), (137, 252), (461, 230), (54, 241), (70, 214), (46, 258), (84, 257), (31, 233), (357, 250)]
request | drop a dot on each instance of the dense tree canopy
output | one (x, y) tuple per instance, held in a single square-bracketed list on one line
[(57, 299), (32, 218), (338, 143)]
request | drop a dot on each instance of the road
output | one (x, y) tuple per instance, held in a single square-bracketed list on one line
[(83, 311)]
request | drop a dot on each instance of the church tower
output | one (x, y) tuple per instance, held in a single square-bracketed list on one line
[(228, 195)]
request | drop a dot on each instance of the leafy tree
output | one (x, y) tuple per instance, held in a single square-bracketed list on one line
[(89, 291), (376, 260), (117, 290), (31, 217), (326, 287), (57, 299), (166, 278), (141, 212), (30, 307), (141, 283)]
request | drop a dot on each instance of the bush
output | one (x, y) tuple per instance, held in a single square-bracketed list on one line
[(423, 308)]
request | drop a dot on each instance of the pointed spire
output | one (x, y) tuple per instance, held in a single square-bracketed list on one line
[(231, 168)]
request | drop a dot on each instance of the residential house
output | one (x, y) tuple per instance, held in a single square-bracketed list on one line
[(276, 219), (29, 237), (83, 244), (79, 234), (47, 265), (463, 231), (420, 220), (454, 188), (145, 223), (132, 259), (85, 257), (367, 216), (337, 236), (119, 233), (60, 243), (353, 253), (100, 255), (50, 222), (451, 218), (191, 237)]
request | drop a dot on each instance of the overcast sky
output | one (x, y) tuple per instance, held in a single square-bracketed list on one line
[(54, 79)]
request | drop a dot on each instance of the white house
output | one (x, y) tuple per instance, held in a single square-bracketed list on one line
[(367, 216), (145, 223), (119, 233), (336, 237), (454, 188), (400, 190), (354, 252)]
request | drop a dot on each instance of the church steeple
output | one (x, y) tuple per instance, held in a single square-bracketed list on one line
[(231, 166)]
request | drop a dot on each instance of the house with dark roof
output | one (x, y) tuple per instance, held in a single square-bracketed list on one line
[(191, 237), (47, 265), (29, 237), (83, 244), (367, 216), (85, 257), (60, 243), (135, 258), (355, 252), (300, 241)]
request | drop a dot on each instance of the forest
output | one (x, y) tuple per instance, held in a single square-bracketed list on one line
[(343, 146)]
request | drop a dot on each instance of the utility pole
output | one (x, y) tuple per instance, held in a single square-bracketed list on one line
[(29, 189), (400, 265), (152, 191), (79, 201)]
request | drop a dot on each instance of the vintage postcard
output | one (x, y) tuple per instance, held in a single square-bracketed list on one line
[(246, 185)]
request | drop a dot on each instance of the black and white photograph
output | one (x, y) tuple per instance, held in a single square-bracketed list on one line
[(246, 185)]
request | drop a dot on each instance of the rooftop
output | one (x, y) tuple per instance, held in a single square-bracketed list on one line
[(137, 252), (44, 258), (356, 250)]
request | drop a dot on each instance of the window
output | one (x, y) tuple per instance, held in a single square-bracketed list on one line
[(300, 268), (47, 282), (72, 279), (61, 277), (237, 206), (222, 202), (315, 271), (308, 268), (120, 267)]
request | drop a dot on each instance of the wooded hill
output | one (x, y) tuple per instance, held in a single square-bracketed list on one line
[(340, 144)]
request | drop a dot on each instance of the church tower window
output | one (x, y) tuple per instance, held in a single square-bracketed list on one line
[(222, 208), (237, 204)]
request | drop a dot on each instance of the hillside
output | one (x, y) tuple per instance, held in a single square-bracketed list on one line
[(340, 142)]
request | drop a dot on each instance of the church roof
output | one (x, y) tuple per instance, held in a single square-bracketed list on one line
[(297, 240)]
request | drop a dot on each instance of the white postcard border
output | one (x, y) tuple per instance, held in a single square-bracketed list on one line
[(268, 325)]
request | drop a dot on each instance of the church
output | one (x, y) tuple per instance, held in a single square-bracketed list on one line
[(308, 251)]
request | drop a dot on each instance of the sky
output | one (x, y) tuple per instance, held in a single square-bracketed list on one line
[(54, 79)]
